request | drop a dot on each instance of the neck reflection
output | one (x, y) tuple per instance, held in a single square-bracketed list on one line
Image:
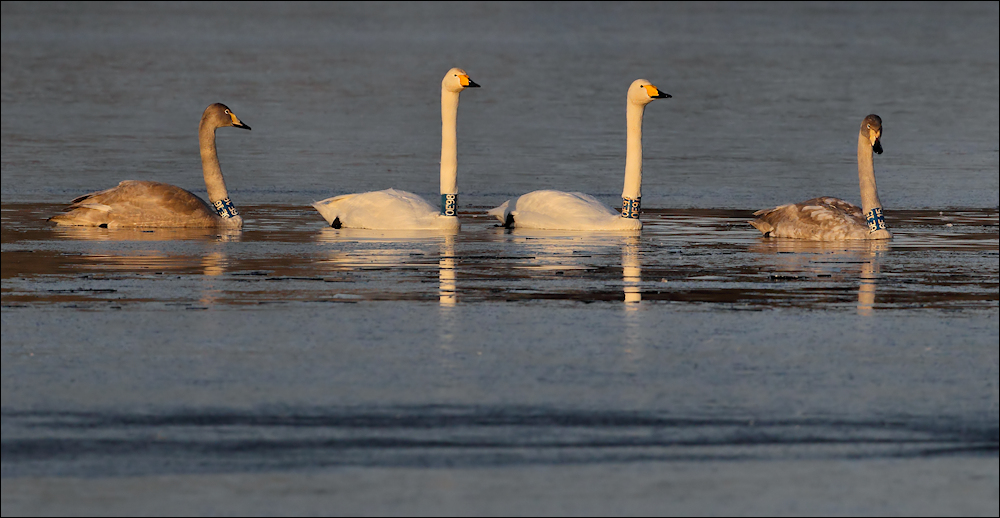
[(869, 278), (446, 273), (631, 272)]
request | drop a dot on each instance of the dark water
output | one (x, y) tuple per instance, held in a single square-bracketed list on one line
[(694, 368)]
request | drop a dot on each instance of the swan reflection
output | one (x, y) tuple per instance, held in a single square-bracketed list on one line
[(159, 234), (869, 277), (363, 249), (794, 256), (632, 272), (210, 261), (446, 272), (554, 251)]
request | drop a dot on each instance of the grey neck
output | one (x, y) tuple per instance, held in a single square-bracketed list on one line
[(210, 164), (866, 175)]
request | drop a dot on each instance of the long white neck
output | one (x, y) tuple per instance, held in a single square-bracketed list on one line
[(449, 142), (866, 175), (633, 152), (210, 164)]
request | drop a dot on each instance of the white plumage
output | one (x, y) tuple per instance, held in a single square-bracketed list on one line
[(392, 209), (557, 210)]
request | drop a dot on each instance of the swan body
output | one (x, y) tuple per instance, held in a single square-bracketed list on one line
[(142, 204), (392, 209), (557, 210), (819, 219), (384, 210), (833, 219)]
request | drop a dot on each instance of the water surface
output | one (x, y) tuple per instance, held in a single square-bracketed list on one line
[(692, 368)]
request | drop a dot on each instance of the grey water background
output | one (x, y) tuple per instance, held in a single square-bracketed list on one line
[(294, 369)]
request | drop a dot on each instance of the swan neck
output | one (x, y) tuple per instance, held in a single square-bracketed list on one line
[(633, 152), (449, 142), (866, 175), (210, 167)]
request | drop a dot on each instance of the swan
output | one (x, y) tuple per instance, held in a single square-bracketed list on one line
[(134, 203), (392, 209), (557, 210), (833, 219)]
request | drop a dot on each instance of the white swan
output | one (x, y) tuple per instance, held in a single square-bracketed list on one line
[(153, 204), (557, 210), (400, 210), (833, 219)]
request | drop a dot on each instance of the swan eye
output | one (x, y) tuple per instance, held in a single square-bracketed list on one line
[(227, 113), (869, 126)]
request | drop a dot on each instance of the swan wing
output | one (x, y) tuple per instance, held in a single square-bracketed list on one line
[(139, 204), (818, 219), (390, 209), (502, 213), (557, 210)]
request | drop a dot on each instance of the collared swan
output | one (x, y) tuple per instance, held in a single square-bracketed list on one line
[(400, 210), (135, 203), (557, 210), (833, 219)]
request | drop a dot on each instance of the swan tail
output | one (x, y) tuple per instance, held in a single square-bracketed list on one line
[(763, 226), (503, 214), (87, 214), (330, 209)]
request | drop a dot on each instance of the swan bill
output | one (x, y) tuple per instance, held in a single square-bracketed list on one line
[(468, 82), (237, 123), (655, 92)]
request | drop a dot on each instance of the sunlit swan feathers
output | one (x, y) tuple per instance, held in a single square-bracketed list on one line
[(557, 210), (392, 209), (145, 204), (833, 219)]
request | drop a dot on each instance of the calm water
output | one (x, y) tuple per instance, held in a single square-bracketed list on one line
[(694, 368)]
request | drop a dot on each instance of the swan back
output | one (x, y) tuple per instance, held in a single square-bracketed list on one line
[(390, 209), (138, 204), (818, 219), (557, 210)]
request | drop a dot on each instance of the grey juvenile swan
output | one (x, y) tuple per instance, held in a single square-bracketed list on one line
[(833, 219), (135, 203)]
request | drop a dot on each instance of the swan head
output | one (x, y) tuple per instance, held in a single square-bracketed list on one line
[(219, 115), (457, 80), (872, 127), (642, 92)]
